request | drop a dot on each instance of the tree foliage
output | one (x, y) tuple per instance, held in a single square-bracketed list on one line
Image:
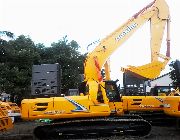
[(17, 57), (6, 34), (66, 54), (175, 72)]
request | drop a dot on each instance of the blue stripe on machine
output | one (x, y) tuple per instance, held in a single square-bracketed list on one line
[(79, 107)]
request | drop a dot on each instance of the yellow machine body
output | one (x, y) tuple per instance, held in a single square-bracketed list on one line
[(63, 107), (90, 105), (172, 106)]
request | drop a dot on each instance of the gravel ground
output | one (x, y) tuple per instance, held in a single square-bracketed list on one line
[(24, 131)]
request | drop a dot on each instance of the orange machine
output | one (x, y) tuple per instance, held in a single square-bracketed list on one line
[(13, 110), (5, 121)]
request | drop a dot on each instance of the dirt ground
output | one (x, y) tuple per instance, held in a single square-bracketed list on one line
[(24, 131)]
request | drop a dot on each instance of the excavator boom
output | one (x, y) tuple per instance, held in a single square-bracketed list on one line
[(157, 13)]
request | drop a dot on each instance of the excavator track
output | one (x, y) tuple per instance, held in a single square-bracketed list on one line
[(156, 118), (93, 128)]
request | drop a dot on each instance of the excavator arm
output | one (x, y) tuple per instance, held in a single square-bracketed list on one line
[(157, 13)]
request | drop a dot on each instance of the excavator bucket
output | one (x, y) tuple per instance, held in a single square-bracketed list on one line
[(147, 71)]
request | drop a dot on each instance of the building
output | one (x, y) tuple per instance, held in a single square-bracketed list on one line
[(136, 86), (163, 82), (4, 97)]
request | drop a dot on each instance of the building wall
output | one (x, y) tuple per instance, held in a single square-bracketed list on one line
[(164, 80)]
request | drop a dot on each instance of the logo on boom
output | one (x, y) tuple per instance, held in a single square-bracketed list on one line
[(126, 31)]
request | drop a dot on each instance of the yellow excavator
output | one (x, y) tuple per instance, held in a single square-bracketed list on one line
[(99, 108)]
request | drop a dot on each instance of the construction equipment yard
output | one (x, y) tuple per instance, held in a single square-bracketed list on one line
[(40, 106)]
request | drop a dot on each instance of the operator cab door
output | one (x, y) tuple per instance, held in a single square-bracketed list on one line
[(113, 95)]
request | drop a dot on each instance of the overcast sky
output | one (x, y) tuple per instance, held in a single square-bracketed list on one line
[(86, 21)]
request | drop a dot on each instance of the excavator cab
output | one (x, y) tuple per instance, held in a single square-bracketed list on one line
[(104, 93), (113, 95), (112, 91)]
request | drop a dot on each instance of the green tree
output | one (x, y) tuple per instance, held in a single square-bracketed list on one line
[(20, 54), (175, 72), (3, 43), (3, 58), (6, 34), (16, 62)]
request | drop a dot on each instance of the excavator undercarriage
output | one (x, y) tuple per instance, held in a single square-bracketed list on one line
[(93, 128)]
